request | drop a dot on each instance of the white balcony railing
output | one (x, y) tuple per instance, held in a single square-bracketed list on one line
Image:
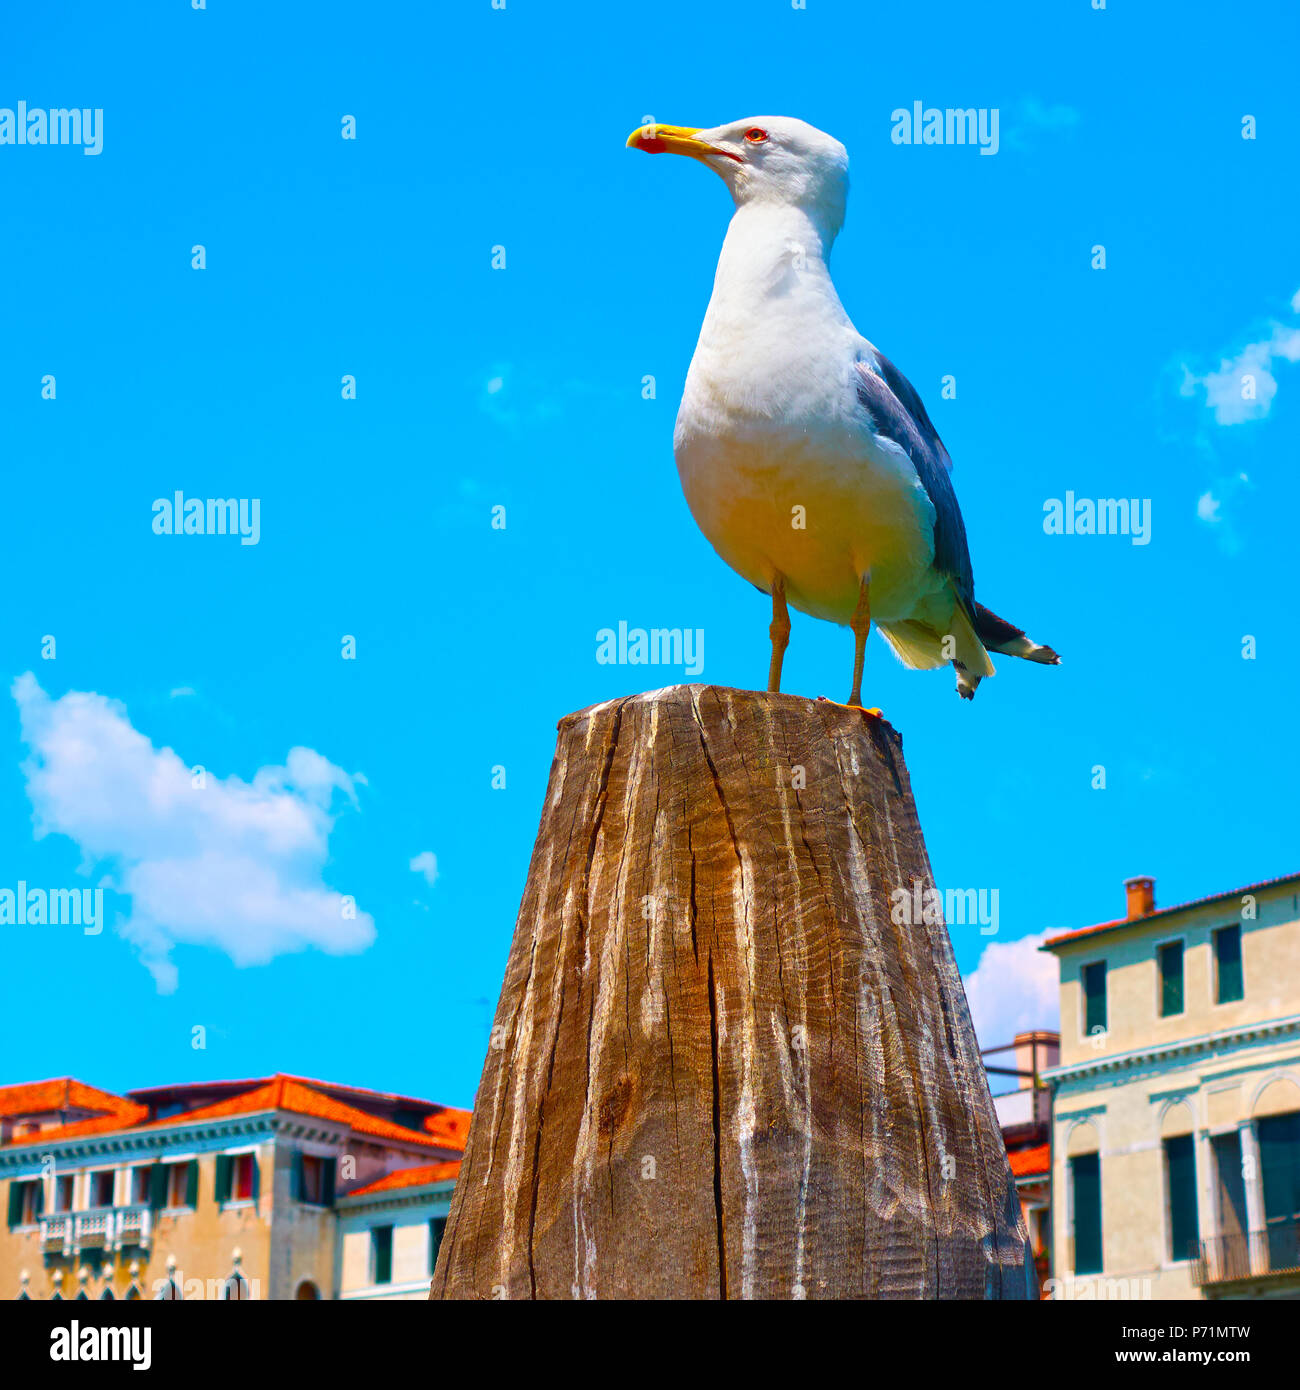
[(99, 1228)]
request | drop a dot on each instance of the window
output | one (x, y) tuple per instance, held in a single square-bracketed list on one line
[(235, 1289), (63, 1193), (101, 1188), (1180, 1182), (1279, 1161), (381, 1254), (1228, 982), (1170, 960), (1085, 1182), (242, 1177), (139, 1185), (314, 1180), (174, 1185), (1094, 997), (237, 1178), (436, 1227), (25, 1202)]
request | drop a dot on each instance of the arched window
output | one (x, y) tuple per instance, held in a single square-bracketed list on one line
[(235, 1288), (170, 1290), (133, 1293), (307, 1290), (108, 1296)]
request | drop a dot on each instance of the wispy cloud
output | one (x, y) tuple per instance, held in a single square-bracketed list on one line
[(1031, 119), (1012, 989), (225, 863), (1244, 384), (426, 863)]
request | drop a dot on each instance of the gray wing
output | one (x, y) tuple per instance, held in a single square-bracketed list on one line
[(897, 414)]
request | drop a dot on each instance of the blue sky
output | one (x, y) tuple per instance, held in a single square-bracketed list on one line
[(522, 388)]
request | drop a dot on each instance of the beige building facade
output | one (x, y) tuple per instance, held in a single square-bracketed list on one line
[(222, 1191), (1175, 1142)]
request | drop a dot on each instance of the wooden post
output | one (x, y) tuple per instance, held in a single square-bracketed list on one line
[(726, 1062)]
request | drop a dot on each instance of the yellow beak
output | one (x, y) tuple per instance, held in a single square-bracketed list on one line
[(670, 139)]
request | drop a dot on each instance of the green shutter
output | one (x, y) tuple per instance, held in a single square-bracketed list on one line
[(436, 1227), (327, 1182), (1085, 1175), (1171, 978), (382, 1239), (192, 1183), (1227, 956), (1279, 1161), (1184, 1222), (1094, 992), (295, 1181), (224, 1166), (158, 1186), (15, 1203), (257, 1178)]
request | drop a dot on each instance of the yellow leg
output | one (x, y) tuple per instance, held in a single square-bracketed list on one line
[(861, 625), (779, 633)]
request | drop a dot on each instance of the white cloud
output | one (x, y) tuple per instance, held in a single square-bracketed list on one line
[(1207, 508), (233, 864), (426, 863), (1012, 989), (1244, 385)]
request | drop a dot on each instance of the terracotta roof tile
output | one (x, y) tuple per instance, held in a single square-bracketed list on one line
[(450, 1127), (1065, 937), (63, 1093), (1026, 1163), (279, 1093), (409, 1177)]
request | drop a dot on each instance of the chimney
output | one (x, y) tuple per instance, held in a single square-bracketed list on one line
[(1141, 894)]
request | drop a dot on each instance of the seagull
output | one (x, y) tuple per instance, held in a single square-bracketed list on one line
[(806, 456)]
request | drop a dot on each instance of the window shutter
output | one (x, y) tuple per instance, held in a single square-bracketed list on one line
[(295, 1184), (1085, 1173), (158, 1186), (1171, 979), (192, 1183), (223, 1177), (1227, 949), (38, 1206), (1184, 1224), (256, 1185), (1094, 989), (327, 1181), (15, 1203)]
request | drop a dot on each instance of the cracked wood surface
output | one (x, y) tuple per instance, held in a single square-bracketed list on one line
[(719, 1069)]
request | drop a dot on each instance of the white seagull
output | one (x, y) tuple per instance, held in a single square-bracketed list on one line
[(806, 456)]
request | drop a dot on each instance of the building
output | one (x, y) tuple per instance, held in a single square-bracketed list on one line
[(228, 1189), (1176, 1115), (1025, 1116), (390, 1231)]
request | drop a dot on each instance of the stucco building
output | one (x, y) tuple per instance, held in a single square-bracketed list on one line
[(214, 1190), (1175, 1142)]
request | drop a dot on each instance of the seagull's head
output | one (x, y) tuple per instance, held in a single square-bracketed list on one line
[(772, 159)]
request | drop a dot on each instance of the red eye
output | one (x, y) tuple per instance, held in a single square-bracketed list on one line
[(756, 135)]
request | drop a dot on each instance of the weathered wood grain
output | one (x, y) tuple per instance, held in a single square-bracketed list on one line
[(719, 1068)]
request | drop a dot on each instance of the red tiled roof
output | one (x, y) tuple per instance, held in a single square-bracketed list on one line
[(1026, 1163), (450, 1127), (279, 1093), (410, 1177), (1053, 941), (63, 1093)]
